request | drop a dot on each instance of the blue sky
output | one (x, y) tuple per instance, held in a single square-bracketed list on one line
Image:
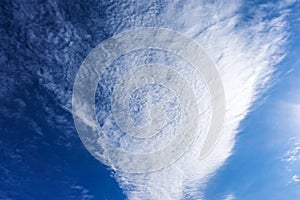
[(43, 46), (259, 167)]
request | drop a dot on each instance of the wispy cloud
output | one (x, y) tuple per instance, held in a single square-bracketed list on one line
[(245, 52), (296, 178), (84, 194), (229, 197), (244, 48), (292, 159), (293, 154)]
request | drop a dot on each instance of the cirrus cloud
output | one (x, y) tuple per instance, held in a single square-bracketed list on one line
[(245, 49)]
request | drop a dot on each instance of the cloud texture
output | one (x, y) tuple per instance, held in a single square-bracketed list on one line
[(45, 42), (245, 42)]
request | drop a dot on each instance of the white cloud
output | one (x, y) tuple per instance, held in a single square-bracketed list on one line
[(286, 3), (84, 193), (296, 178), (292, 160), (244, 53), (293, 154), (229, 197)]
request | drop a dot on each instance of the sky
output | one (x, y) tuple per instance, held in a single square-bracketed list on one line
[(265, 161), (254, 45)]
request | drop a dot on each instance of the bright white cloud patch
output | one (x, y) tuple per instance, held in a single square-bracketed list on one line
[(244, 53), (296, 178)]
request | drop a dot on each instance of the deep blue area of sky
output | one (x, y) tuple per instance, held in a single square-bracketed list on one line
[(41, 156)]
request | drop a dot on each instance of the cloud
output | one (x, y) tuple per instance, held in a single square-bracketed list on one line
[(296, 178), (245, 53), (292, 159), (244, 47), (293, 154), (84, 194), (229, 197), (286, 3)]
